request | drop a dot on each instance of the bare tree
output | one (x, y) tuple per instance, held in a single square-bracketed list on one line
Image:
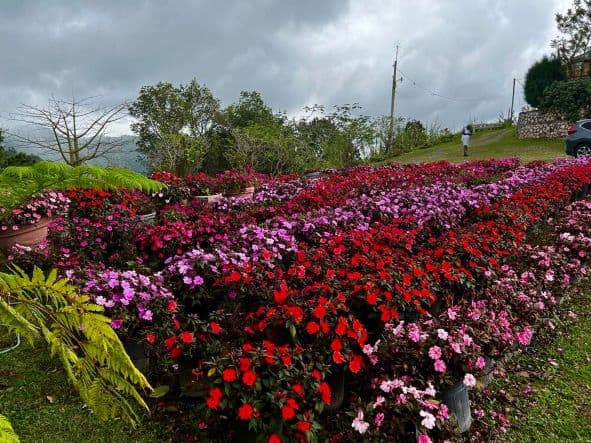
[(74, 129)]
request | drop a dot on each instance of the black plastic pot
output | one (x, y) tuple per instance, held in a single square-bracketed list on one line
[(457, 400)]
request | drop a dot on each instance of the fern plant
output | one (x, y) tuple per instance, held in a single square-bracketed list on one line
[(19, 183), (78, 334), (7, 434)]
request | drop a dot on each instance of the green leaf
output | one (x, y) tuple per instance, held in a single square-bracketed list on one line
[(160, 391)]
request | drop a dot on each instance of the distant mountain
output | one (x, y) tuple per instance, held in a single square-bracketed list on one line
[(127, 157)]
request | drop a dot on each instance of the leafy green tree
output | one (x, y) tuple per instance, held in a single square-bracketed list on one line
[(574, 41), (177, 120), (569, 98), (260, 139), (250, 110), (340, 138), (542, 74)]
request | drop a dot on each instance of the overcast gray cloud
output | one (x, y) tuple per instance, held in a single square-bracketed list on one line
[(296, 53)]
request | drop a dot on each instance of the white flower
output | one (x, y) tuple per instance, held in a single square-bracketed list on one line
[(428, 420), (469, 380), (442, 334), (358, 424)]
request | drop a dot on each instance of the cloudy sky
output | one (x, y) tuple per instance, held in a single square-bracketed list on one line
[(296, 53)]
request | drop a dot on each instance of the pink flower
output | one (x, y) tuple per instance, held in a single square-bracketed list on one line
[(469, 380), (442, 334), (414, 333), (525, 336), (480, 362), (424, 439), (379, 419), (439, 366), (435, 352)]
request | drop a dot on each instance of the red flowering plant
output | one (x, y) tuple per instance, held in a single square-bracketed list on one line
[(232, 181), (202, 184), (177, 189)]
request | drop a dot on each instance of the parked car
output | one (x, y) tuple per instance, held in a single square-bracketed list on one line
[(578, 141)]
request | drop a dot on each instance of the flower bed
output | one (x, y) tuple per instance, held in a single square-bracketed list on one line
[(401, 281)]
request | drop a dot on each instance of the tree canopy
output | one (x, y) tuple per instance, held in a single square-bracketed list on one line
[(540, 75)]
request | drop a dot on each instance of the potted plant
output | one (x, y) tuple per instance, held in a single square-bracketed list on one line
[(203, 187), (235, 183), (27, 223), (27, 203)]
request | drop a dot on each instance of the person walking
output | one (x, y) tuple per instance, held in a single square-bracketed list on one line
[(466, 133)]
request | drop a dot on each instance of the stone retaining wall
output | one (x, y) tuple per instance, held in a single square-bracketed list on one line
[(535, 124)]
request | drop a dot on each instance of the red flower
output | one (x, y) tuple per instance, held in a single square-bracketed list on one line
[(324, 389), (336, 345), (281, 295), (312, 328), (356, 364), (303, 426), (245, 412), (213, 403), (169, 342), (274, 438), (229, 375), (248, 378), (171, 306), (319, 312), (298, 389), (216, 393), (187, 337), (337, 357), (244, 364), (150, 338), (215, 328), (287, 412), (175, 353), (316, 374), (292, 404)]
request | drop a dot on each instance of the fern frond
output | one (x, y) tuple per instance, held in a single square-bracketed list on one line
[(19, 183), (79, 335), (7, 434)]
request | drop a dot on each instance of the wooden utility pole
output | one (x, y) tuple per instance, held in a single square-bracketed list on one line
[(392, 100), (512, 101)]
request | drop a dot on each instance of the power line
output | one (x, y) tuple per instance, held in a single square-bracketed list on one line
[(435, 93)]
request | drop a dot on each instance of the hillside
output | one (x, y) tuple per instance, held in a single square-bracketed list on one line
[(498, 143)]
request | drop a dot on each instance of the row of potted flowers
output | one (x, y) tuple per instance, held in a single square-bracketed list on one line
[(268, 313)]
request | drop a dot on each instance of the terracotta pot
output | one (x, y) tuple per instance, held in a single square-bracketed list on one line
[(26, 235), (210, 198), (246, 192), (148, 219)]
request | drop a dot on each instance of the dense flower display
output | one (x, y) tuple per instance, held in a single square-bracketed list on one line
[(338, 306)]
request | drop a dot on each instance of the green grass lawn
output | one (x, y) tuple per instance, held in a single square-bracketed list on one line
[(43, 407), (559, 375), (499, 143)]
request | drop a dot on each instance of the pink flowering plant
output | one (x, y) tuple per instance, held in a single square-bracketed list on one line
[(133, 300), (45, 205)]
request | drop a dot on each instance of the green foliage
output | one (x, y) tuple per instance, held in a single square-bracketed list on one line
[(9, 157), (569, 98), (573, 46), (542, 74), (19, 183), (79, 335), (7, 434), (164, 112)]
